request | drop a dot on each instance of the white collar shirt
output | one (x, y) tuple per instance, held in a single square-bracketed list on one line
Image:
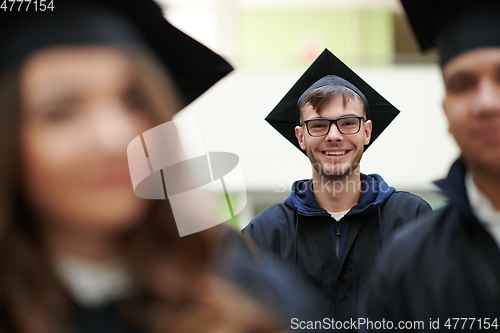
[(482, 208)]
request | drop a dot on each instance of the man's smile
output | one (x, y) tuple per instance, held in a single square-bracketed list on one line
[(335, 152)]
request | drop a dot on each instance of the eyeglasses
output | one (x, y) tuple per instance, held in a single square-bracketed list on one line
[(321, 126)]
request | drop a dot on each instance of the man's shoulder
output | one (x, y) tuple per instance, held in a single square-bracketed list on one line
[(268, 228), (403, 196), (404, 207), (275, 219), (407, 203), (276, 214)]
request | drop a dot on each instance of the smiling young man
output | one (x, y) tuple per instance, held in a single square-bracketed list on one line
[(445, 272), (333, 132), (332, 227)]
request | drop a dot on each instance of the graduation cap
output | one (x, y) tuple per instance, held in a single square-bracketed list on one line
[(454, 26), (193, 66), (324, 70)]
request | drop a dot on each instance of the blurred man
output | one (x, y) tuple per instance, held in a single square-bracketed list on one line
[(445, 271), (332, 227)]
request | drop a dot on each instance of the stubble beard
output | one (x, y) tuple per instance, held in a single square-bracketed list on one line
[(337, 171)]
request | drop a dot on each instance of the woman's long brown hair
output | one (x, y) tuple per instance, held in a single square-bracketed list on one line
[(173, 288)]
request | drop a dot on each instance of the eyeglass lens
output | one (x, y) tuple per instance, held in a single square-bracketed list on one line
[(319, 127)]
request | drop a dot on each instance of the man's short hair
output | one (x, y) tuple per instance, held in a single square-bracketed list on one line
[(319, 97)]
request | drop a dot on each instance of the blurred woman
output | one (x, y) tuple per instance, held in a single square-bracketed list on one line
[(79, 251)]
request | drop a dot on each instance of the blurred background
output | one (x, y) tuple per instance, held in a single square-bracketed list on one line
[(271, 43)]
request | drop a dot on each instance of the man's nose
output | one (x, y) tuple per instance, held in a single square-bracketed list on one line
[(487, 99), (334, 134)]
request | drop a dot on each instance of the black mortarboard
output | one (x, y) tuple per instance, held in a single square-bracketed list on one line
[(194, 67), (454, 26), (324, 70)]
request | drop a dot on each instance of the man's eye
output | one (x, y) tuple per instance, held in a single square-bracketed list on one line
[(461, 83), (347, 123)]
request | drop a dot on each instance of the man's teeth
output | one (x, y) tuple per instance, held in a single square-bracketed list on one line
[(335, 153)]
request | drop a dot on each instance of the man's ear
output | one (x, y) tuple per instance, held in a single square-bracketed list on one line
[(367, 129), (299, 134)]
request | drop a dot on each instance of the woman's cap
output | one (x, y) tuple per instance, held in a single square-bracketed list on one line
[(194, 67)]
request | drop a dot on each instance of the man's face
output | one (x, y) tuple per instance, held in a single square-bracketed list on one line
[(472, 106), (335, 155)]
